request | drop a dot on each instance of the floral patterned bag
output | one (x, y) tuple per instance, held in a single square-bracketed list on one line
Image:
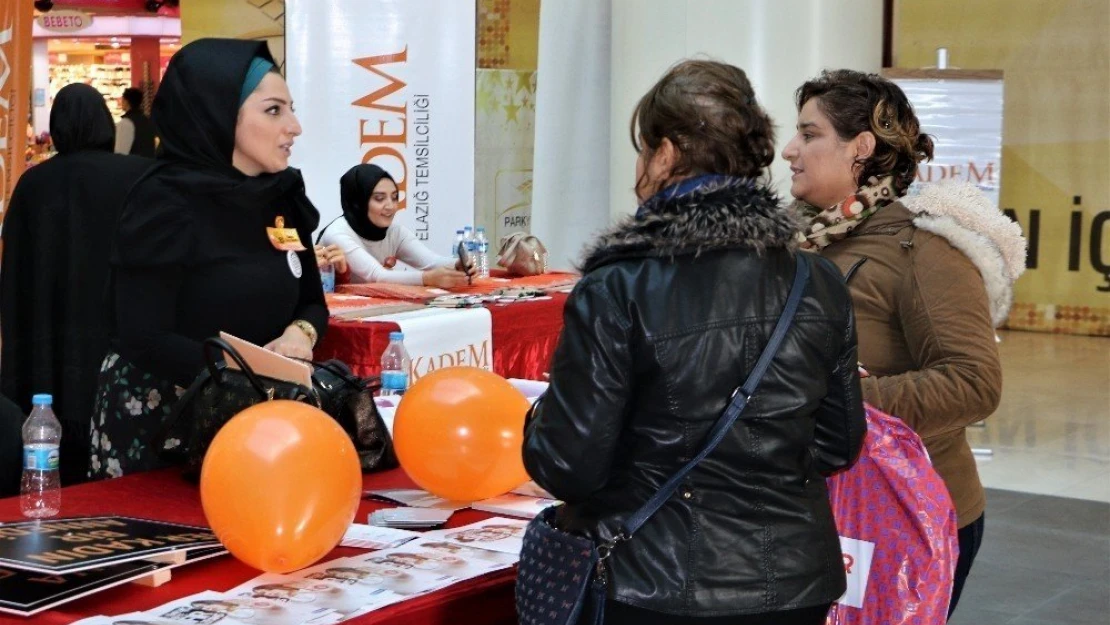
[(220, 392)]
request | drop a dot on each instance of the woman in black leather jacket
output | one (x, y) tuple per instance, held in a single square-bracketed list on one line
[(675, 306)]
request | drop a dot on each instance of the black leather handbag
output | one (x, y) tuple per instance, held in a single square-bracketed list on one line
[(221, 392)]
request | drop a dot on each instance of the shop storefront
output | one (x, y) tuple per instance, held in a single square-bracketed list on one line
[(109, 44)]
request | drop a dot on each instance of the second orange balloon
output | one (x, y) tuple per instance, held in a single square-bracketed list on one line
[(458, 434)]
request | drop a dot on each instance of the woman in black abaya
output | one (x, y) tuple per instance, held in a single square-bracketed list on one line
[(54, 309), (217, 237)]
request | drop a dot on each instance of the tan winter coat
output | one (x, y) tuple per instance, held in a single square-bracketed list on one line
[(929, 284)]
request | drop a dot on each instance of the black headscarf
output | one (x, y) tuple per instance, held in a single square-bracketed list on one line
[(195, 114), (80, 120), (355, 188)]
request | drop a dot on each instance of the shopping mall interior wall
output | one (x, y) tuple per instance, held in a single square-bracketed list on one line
[(1055, 55)]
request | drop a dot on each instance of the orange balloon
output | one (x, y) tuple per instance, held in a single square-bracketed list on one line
[(458, 434), (280, 485)]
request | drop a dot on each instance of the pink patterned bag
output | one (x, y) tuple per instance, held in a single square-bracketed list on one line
[(897, 531)]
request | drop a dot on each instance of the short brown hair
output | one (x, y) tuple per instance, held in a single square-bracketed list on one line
[(709, 112), (856, 102)]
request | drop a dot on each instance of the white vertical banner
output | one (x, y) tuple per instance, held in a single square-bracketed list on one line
[(571, 165), (649, 36), (387, 82), (964, 116)]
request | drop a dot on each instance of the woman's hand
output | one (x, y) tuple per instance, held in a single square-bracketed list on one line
[(293, 343), (445, 278), (331, 255), (471, 270)]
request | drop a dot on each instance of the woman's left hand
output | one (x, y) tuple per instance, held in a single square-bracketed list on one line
[(331, 255), (292, 343)]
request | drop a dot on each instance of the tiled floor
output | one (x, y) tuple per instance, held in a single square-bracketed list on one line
[(1044, 561), (1051, 434), (1045, 558)]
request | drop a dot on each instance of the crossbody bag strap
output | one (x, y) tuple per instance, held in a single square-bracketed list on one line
[(740, 398)]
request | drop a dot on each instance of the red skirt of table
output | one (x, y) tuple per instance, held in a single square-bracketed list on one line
[(525, 334)]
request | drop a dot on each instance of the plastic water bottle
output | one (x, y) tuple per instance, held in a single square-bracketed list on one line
[(482, 244), (460, 237), (41, 494), (468, 240), (327, 277), (395, 366)]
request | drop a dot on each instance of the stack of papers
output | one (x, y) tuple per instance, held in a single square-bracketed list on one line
[(410, 517), (531, 489), (417, 498), (514, 505), (374, 537)]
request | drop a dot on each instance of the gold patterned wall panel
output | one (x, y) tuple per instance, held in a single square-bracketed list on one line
[(238, 19), (1055, 138), (508, 34)]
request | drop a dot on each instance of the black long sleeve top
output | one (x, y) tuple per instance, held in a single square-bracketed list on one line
[(190, 266)]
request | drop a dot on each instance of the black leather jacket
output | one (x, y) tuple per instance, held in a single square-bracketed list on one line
[(672, 313)]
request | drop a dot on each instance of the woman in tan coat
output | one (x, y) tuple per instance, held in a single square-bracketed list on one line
[(930, 275)]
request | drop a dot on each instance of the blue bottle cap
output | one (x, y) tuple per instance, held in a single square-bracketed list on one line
[(396, 336), (42, 399)]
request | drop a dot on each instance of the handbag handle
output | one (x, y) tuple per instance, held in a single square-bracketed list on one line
[(212, 348), (509, 243), (740, 398), (344, 375)]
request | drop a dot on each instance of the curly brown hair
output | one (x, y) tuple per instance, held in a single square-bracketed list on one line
[(856, 102), (709, 112)]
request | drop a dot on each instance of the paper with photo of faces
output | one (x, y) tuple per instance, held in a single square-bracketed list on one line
[(411, 556), (499, 559), (211, 608), (346, 600), (496, 534), (372, 537), (354, 572), (205, 608)]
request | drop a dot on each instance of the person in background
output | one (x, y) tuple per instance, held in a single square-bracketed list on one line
[(135, 132), (930, 276), (217, 237), (675, 305), (54, 306), (373, 244), (11, 447)]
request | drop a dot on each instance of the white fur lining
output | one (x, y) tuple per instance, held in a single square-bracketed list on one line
[(982, 254), (960, 213)]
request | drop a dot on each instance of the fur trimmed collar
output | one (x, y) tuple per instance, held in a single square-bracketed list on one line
[(734, 214), (960, 213)]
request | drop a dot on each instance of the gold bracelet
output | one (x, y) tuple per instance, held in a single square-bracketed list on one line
[(307, 328)]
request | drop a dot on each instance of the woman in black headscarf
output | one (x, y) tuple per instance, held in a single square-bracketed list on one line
[(54, 312), (371, 242), (217, 237)]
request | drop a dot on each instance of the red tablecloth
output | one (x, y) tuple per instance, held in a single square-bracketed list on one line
[(163, 495), (524, 337)]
